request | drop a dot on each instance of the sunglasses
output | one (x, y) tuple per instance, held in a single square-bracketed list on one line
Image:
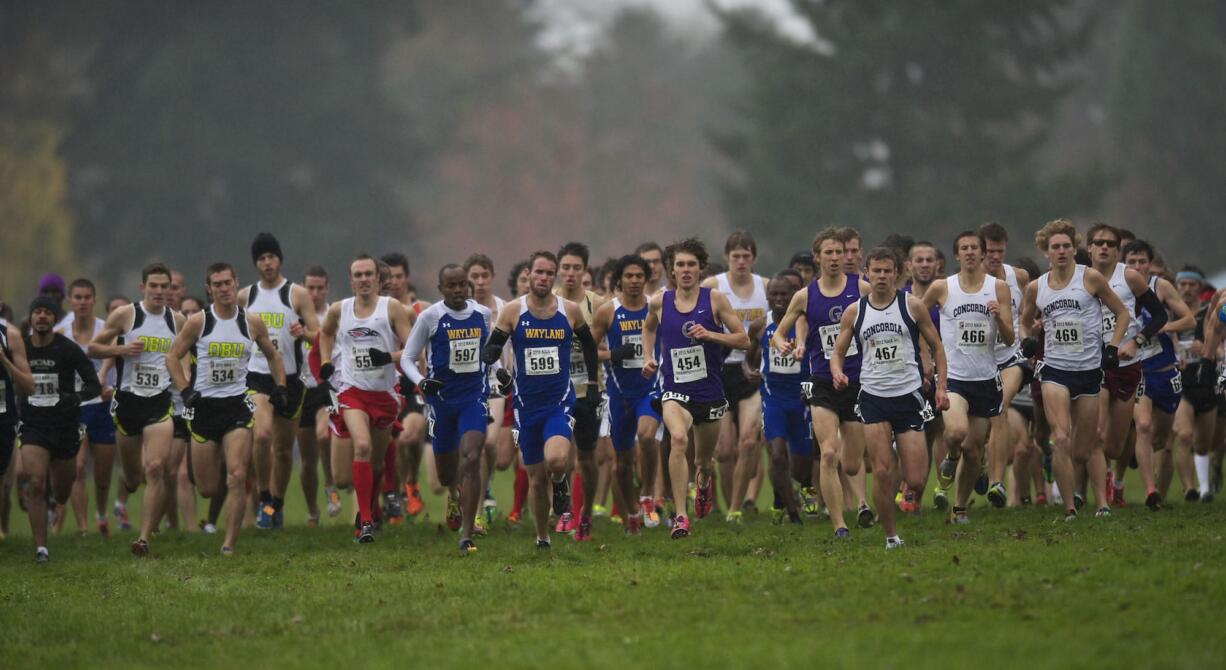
[(1100, 242)]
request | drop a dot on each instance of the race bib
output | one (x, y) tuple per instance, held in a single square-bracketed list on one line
[(462, 357), (147, 379), (886, 353), (1108, 322), (541, 361), (223, 371), (46, 389), (1151, 349), (578, 368), (829, 335), (973, 335), (689, 364), (635, 361), (1067, 335), (363, 366), (784, 364)]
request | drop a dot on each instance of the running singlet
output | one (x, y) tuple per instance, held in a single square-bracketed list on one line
[(625, 379), (1072, 324), (542, 358), (782, 373), (66, 329), (219, 366), (889, 339), (1120, 286), (749, 310), (690, 367), (1008, 354), (823, 314), (275, 310), (8, 397), (145, 373), (968, 332), (1159, 354), (355, 337), (453, 341)]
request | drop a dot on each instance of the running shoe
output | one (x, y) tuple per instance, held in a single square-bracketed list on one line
[(207, 528), (478, 525), (334, 500), (227, 551), (312, 521), (263, 518), (736, 518), (140, 548), (1207, 496), (946, 471), (561, 496), (467, 546), (1191, 495), (565, 524), (958, 516), (278, 519), (703, 501), (794, 519), (489, 506), (599, 511), (894, 543), (542, 543), (981, 484), (841, 533), (634, 523), (777, 516), (121, 515), (1103, 513), (42, 556), (514, 518), (412, 493), (1117, 496), (367, 534), (104, 529), (392, 511), (454, 520), (749, 507), (940, 498), (1078, 500), (810, 505), (1070, 515), (864, 517), (583, 531), (1040, 499), (651, 517), (1026, 502), (1153, 501), (997, 495), (681, 527)]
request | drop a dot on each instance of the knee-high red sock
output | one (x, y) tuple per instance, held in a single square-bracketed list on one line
[(521, 491), (389, 468), (576, 496), (363, 483)]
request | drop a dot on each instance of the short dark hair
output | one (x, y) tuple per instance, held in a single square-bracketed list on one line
[(1140, 247), (803, 258), (396, 259), (690, 245), (648, 246), (902, 243), (451, 266), (547, 255), (479, 259), (741, 239), (993, 232), (316, 271), (1099, 227), (363, 257), (82, 282), (1029, 265), (219, 266), (624, 262), (1126, 234), (983, 246), (194, 299), (789, 272), (924, 243), (154, 269), (846, 234), (574, 249), (883, 254)]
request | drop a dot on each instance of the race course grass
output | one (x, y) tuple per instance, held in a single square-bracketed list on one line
[(1017, 588)]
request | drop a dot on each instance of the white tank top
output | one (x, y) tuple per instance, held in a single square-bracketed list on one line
[(145, 373), (65, 327), (274, 309), (1120, 286), (222, 355), (888, 340), (304, 372), (968, 332), (355, 337), (1072, 324), (1004, 354), (750, 310)]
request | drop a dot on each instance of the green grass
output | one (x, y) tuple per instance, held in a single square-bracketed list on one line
[(1015, 588)]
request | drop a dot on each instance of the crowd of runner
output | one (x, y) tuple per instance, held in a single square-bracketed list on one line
[(660, 377)]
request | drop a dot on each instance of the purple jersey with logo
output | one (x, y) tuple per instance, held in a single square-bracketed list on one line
[(934, 312), (824, 314), (690, 367)]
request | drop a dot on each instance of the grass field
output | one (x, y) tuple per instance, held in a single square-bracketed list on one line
[(1017, 588)]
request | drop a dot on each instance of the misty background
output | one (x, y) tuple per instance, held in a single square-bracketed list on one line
[(175, 130)]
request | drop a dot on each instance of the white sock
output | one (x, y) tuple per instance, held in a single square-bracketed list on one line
[(40, 550), (1202, 471), (1118, 484)]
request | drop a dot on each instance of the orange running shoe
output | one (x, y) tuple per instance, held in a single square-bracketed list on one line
[(412, 493)]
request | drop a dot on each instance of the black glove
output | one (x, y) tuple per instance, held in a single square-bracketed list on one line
[(627, 350), (1111, 357), (1030, 346), (378, 357), (279, 398), (505, 382), (326, 371), (429, 387), (190, 396), (407, 387)]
